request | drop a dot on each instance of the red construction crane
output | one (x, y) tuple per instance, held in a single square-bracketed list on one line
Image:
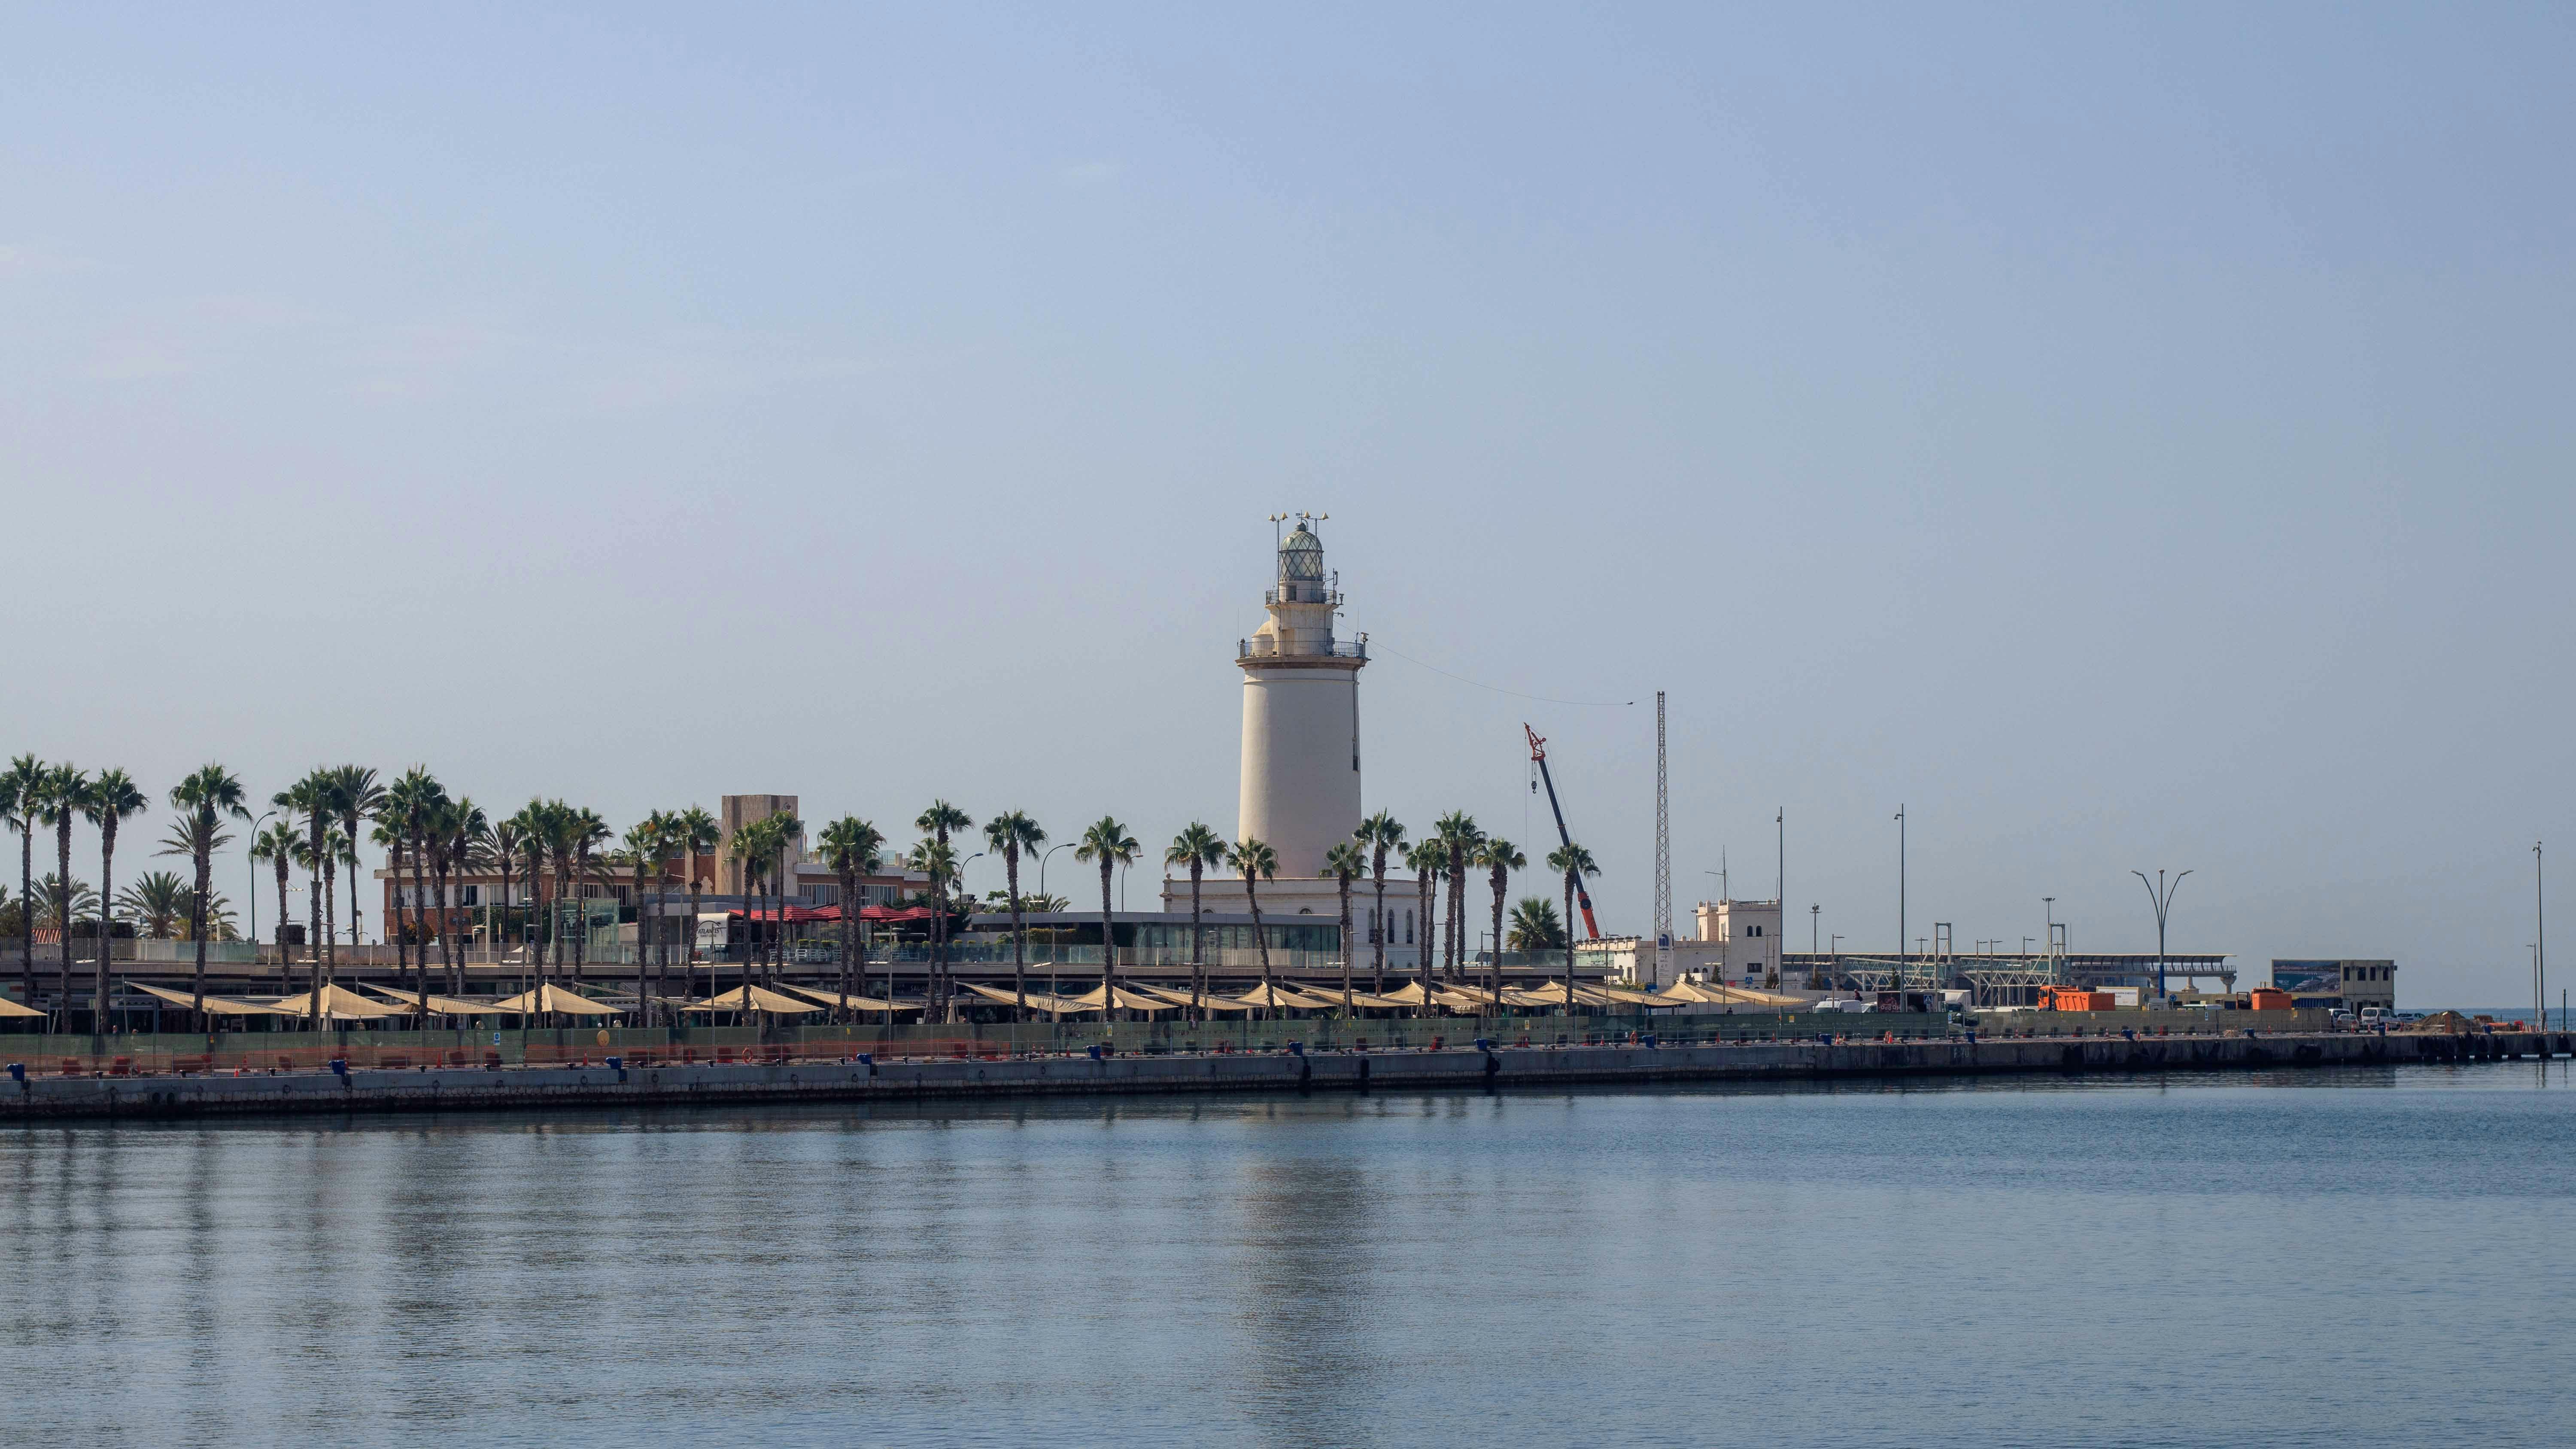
[(1538, 756)]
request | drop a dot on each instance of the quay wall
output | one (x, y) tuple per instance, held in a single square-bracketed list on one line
[(596, 1085)]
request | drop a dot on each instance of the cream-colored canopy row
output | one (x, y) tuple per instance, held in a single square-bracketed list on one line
[(1038, 1000), (753, 998), (338, 1002), (14, 1008), (439, 1005), (215, 1005), (549, 997), (855, 1001)]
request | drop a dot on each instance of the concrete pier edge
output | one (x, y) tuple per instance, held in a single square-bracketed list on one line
[(461, 1089)]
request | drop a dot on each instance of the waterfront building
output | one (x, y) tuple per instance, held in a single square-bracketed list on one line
[(2353, 984), (1746, 935)]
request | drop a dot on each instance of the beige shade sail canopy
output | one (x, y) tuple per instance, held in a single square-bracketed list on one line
[(1699, 993), (1038, 1000), (439, 1005), (753, 998), (857, 1001), (1127, 1001), (16, 1008), (548, 997), (215, 1005), (337, 1002)]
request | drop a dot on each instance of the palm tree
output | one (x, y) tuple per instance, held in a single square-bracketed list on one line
[(853, 848), (203, 799), (310, 798), (1459, 837), (113, 800), (1572, 862), (751, 857), (387, 836), (1501, 858), (66, 794), (1255, 861), (444, 833), (1343, 863), (586, 832), (49, 901), (648, 848), (358, 797), (1008, 835), (937, 861), (1195, 849), (1380, 833), (695, 831), (509, 845), (1534, 926), (21, 792), (1108, 845), (405, 810), (154, 903), (277, 845), (1425, 858), (940, 819)]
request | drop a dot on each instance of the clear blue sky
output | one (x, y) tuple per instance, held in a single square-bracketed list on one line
[(2127, 438)]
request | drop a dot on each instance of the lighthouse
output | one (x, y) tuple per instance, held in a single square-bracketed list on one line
[(1301, 713)]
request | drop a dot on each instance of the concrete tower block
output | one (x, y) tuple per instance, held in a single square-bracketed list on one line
[(1301, 715)]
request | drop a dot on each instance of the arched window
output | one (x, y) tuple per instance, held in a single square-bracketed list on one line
[(1408, 928)]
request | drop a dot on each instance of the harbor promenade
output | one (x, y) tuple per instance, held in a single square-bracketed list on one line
[(616, 1080)]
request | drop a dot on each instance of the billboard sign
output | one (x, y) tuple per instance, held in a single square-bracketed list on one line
[(2308, 978)]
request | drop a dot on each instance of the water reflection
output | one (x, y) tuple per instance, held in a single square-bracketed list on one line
[(1726, 1266)]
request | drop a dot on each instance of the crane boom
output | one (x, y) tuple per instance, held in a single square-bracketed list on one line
[(1538, 755)]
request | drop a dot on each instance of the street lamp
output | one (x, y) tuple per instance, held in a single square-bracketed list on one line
[(2162, 895), (250, 856), (1900, 897), (2540, 929)]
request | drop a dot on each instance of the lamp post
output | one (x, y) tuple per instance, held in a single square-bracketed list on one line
[(253, 862), (2162, 895), (1813, 913), (1900, 898), (2540, 932), (1052, 931)]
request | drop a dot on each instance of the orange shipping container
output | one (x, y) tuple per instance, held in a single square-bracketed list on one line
[(2264, 999), (2073, 998)]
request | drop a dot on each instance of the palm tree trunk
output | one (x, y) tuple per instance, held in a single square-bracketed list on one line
[(1569, 943), (415, 849), (1260, 942), (1345, 882), (1422, 931), (1198, 953), (354, 918), (1379, 930), (330, 926), (1502, 887), (63, 908), (27, 903), (197, 910), (106, 886), (395, 921), (687, 987), (1019, 962), (1108, 950)]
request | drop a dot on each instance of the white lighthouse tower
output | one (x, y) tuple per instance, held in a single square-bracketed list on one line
[(1301, 714)]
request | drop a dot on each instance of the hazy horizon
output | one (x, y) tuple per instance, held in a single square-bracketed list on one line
[(2128, 439)]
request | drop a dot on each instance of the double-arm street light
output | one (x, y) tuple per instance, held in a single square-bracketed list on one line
[(2162, 895)]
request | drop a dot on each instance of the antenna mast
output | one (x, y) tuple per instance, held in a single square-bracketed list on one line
[(1663, 857)]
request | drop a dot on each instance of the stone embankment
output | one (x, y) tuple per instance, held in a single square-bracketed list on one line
[(29, 1096)]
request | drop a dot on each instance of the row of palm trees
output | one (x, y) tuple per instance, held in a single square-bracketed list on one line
[(433, 836)]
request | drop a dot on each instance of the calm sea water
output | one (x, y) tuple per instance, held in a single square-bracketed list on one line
[(2315, 1258)]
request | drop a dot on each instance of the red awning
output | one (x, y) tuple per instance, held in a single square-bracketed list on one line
[(870, 913)]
